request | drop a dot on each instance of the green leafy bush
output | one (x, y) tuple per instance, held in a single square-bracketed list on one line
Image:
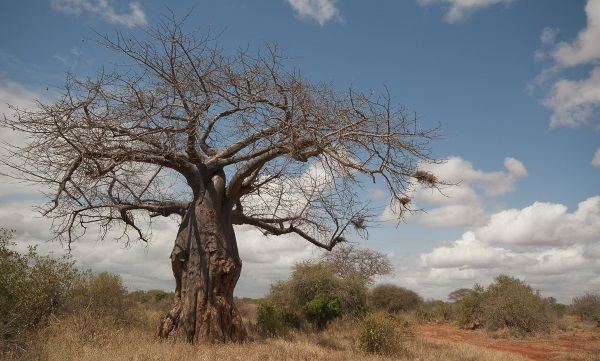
[(469, 310), (393, 299), (32, 287), (272, 322), (377, 334), (322, 309), (308, 279)]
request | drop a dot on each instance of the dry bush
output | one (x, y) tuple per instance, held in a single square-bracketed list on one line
[(392, 299), (379, 333), (103, 296), (363, 263), (511, 304), (434, 311), (32, 289), (507, 303), (587, 307)]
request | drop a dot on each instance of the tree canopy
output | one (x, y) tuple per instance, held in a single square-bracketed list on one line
[(177, 108)]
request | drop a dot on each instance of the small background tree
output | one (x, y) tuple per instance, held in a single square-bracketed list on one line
[(459, 294), (348, 260)]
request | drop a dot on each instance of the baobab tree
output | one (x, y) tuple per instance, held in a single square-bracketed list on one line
[(178, 127)]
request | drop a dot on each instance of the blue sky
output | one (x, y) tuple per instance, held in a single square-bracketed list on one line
[(515, 84)]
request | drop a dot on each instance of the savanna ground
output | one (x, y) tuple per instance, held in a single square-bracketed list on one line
[(84, 337), (575, 340)]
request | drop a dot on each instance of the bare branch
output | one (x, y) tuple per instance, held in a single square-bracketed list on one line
[(176, 115)]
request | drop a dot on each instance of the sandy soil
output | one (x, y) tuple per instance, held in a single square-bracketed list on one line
[(573, 344)]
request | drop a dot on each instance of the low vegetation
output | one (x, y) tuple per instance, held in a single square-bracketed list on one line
[(507, 303), (51, 310)]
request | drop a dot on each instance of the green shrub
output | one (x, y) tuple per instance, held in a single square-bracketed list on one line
[(291, 319), (160, 295), (271, 322), (511, 304), (391, 298), (469, 310), (322, 309), (32, 287), (378, 334), (559, 309), (507, 303), (308, 279)]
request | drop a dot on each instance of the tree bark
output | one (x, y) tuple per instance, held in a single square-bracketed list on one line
[(206, 266)]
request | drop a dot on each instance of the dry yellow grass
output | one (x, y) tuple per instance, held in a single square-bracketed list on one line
[(74, 338)]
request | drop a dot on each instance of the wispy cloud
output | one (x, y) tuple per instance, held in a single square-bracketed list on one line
[(320, 11), (596, 160), (573, 101), (459, 10), (103, 9)]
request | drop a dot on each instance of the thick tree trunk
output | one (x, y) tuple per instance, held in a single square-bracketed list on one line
[(206, 266)]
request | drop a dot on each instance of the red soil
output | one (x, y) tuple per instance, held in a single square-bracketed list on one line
[(581, 344)]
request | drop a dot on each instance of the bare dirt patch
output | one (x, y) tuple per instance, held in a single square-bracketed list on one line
[(582, 343)]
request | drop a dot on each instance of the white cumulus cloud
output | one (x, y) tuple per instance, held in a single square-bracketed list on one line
[(458, 10), (320, 11), (466, 252), (586, 47), (544, 224), (104, 9), (573, 101), (555, 251)]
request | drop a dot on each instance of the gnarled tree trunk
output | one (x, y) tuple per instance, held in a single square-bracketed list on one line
[(206, 266)]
